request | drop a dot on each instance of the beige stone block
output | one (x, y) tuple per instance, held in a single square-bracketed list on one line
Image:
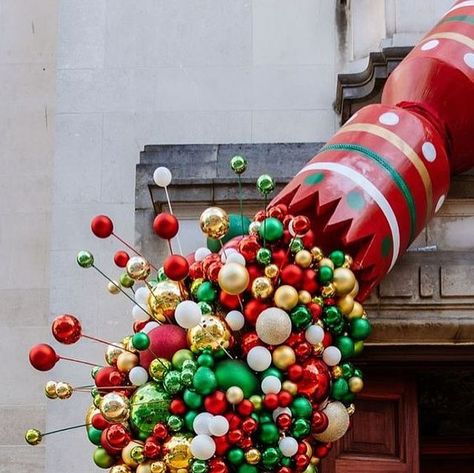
[(402, 281), (24, 307), (456, 281), (22, 458), (19, 419)]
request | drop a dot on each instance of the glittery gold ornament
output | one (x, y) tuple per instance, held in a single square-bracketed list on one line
[(158, 467), (289, 386), (326, 262), (163, 300), (50, 390), (138, 268), (338, 422), (233, 278), (271, 271), (304, 297), (112, 353), (138, 454), (252, 456), (262, 287), (273, 326), (336, 372), (158, 368), (234, 395), (113, 287), (344, 281), (318, 349), (126, 453), (115, 407), (127, 343), (329, 290), (178, 449), (348, 261), (356, 384), (64, 390), (286, 297), (195, 286), (317, 254), (120, 469), (214, 222), (33, 436), (304, 258), (351, 409), (283, 357), (126, 361), (357, 311), (346, 304), (212, 333)]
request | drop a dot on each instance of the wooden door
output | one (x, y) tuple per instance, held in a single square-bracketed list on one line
[(384, 431)]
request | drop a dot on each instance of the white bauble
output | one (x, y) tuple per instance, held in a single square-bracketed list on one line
[(201, 423), (234, 257), (150, 326), (141, 296), (201, 253), (235, 320), (271, 384), (162, 176), (203, 447), (314, 334), (288, 446), (218, 426), (138, 375), (138, 314), (259, 358), (338, 418), (187, 314), (281, 410), (273, 326), (332, 356)]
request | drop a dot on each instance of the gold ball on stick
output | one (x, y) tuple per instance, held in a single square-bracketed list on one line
[(64, 390), (158, 467), (233, 278), (33, 436), (283, 357), (214, 222), (262, 287), (326, 262), (338, 422), (286, 297), (252, 456), (112, 353), (50, 390), (158, 368), (212, 333), (164, 299), (113, 287), (289, 386), (271, 271), (138, 268), (344, 281), (120, 469), (115, 407), (317, 253), (304, 297)]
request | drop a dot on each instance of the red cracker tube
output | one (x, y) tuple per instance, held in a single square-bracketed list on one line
[(379, 180)]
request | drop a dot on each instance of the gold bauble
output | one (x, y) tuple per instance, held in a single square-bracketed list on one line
[(212, 333), (318, 348), (304, 258), (233, 278), (158, 368), (194, 287), (344, 281), (252, 456), (347, 261), (309, 448), (271, 271), (254, 227), (33, 437), (355, 290), (317, 254), (64, 390), (126, 361), (90, 413), (50, 390), (351, 408), (346, 304), (357, 311), (329, 290), (112, 353), (158, 467), (338, 422), (144, 467), (138, 268), (178, 449), (326, 262), (356, 384), (115, 407), (120, 469), (234, 395), (127, 343), (286, 297), (336, 372), (304, 297), (163, 300), (126, 453), (315, 461), (289, 386), (113, 287), (283, 357), (214, 222), (262, 287)]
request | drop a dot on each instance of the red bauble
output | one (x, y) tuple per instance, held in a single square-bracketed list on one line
[(316, 311), (235, 435), (284, 421), (98, 422), (160, 431), (117, 435), (109, 448), (270, 401), (260, 216), (104, 377), (276, 212), (66, 329), (319, 422), (165, 341), (316, 379), (177, 407), (102, 226), (322, 450), (308, 239), (245, 408), (301, 461), (280, 257), (213, 271), (303, 351), (195, 270), (117, 379), (287, 219), (43, 357), (246, 443), (284, 398), (302, 448), (300, 225), (217, 465), (139, 325), (249, 340), (166, 226), (295, 372), (228, 300), (208, 260), (121, 258), (310, 283), (252, 310), (249, 247), (285, 469), (176, 267), (327, 340), (216, 403), (233, 419), (151, 448), (222, 445), (249, 425), (292, 275)]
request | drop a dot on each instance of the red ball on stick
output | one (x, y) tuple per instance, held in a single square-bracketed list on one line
[(66, 329), (43, 357), (121, 258), (176, 267), (166, 225), (102, 226)]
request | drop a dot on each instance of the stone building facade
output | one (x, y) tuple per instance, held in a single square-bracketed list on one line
[(88, 84)]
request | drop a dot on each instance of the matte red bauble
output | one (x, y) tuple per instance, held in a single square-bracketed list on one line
[(292, 275), (176, 267), (43, 357), (102, 226), (166, 226), (121, 258)]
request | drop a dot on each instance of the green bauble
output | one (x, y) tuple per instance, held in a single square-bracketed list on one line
[(192, 399), (269, 433), (271, 456), (301, 407), (204, 381), (332, 316), (102, 459), (160, 275), (172, 382), (186, 377), (339, 389), (140, 341), (272, 371), (265, 184), (301, 428), (325, 274), (238, 164), (271, 229), (175, 423), (296, 245), (206, 359), (199, 466), (235, 456), (189, 419), (206, 292), (338, 258), (205, 308), (189, 365), (149, 405), (358, 347), (346, 346), (85, 259), (236, 373), (235, 229), (286, 461), (126, 280), (180, 357), (264, 418), (358, 373), (94, 435), (264, 256), (360, 329), (246, 468), (348, 398), (300, 317), (347, 370)]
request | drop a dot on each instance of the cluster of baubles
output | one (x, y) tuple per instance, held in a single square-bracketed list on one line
[(239, 360)]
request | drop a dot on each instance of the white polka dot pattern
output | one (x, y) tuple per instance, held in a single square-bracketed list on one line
[(429, 151), (389, 118)]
